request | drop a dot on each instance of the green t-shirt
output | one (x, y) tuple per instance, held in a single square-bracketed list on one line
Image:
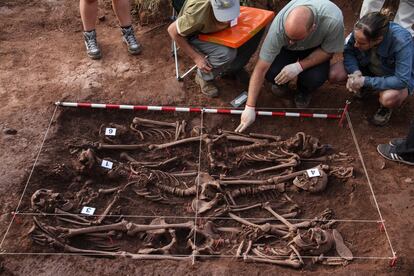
[(329, 33), (196, 16)]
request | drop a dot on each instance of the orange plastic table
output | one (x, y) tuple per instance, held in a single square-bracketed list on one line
[(250, 22)]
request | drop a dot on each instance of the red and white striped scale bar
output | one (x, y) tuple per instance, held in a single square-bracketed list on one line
[(197, 110)]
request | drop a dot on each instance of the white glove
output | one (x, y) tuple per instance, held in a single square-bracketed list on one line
[(247, 118), (357, 73), (355, 82), (288, 73), (350, 80)]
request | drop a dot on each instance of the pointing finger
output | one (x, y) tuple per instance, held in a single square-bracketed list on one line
[(239, 128), (243, 127), (278, 77)]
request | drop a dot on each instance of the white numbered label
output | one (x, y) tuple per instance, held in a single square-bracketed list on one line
[(88, 210), (241, 99), (234, 22), (313, 173), (110, 131), (107, 164)]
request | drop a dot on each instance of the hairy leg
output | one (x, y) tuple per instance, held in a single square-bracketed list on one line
[(122, 9), (89, 12)]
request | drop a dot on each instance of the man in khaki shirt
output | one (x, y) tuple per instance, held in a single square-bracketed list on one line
[(210, 16)]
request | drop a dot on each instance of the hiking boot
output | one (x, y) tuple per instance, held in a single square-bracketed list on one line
[(91, 44), (302, 100), (389, 152), (128, 36), (279, 90), (208, 88), (381, 117)]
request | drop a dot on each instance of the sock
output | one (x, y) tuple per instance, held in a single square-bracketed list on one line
[(126, 27)]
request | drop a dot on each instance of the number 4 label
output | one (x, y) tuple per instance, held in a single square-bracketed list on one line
[(313, 172), (110, 131), (88, 210), (107, 164)]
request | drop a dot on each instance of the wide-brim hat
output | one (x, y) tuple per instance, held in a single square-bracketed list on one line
[(225, 10)]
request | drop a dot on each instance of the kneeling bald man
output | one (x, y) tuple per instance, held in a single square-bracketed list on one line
[(300, 43)]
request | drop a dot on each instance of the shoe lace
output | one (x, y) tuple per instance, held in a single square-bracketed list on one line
[(130, 37), (91, 42)]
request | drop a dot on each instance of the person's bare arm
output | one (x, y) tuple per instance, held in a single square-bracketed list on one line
[(249, 114), (182, 42), (256, 81), (316, 57)]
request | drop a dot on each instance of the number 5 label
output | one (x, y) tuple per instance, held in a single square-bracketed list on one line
[(88, 210)]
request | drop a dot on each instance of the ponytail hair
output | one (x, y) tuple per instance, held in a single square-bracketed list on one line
[(373, 25)]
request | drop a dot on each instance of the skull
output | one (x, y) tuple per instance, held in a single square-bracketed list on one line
[(314, 184), (46, 201), (315, 241)]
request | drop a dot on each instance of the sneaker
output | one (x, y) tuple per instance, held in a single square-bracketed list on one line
[(208, 88), (91, 44), (302, 100), (389, 152), (397, 142), (279, 90), (382, 116), (128, 36)]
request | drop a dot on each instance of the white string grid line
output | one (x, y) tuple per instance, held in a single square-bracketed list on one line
[(198, 183), (394, 254), (196, 217), (30, 176), (200, 217), (190, 257)]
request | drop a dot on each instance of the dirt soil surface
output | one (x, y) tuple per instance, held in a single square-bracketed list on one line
[(42, 60)]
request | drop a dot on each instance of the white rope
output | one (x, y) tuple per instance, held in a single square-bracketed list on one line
[(200, 217), (197, 255), (369, 182), (198, 183), (30, 176)]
